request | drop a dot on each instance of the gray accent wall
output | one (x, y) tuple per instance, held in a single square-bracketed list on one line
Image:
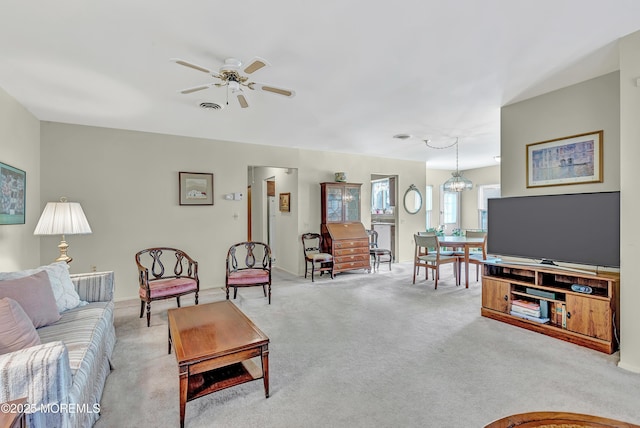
[(20, 148)]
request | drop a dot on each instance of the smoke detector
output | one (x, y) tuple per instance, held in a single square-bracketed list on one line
[(211, 106)]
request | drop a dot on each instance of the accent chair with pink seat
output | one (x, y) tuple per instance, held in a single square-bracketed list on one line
[(248, 265), (158, 283)]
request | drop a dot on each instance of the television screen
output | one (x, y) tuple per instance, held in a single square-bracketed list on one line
[(582, 228)]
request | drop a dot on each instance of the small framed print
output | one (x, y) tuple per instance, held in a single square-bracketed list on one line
[(569, 160), (285, 202), (196, 188), (13, 194)]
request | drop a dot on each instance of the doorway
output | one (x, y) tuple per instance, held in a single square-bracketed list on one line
[(265, 222), (384, 213)]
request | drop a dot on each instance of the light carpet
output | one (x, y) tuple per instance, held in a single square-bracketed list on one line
[(368, 350)]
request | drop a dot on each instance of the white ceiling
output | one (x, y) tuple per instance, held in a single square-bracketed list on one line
[(362, 70)]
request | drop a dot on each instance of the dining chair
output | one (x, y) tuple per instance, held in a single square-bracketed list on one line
[(377, 253), (427, 254), (479, 257), (157, 283), (314, 257), (248, 265)]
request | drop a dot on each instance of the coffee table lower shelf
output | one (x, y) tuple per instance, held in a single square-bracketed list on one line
[(205, 383)]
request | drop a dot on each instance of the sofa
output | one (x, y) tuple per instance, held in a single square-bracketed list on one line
[(64, 375)]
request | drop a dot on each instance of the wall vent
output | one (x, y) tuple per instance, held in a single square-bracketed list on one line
[(212, 106)]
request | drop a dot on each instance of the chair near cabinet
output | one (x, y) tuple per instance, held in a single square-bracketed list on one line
[(157, 283), (378, 253), (248, 265), (314, 257), (428, 255)]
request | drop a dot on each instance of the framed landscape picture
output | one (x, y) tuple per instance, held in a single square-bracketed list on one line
[(563, 161), (196, 188), (13, 192)]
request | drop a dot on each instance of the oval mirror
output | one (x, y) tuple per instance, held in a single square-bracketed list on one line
[(412, 200)]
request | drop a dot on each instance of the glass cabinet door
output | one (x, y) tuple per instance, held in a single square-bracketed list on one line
[(334, 204), (352, 204)]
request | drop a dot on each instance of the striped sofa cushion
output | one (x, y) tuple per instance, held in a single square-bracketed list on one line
[(88, 333)]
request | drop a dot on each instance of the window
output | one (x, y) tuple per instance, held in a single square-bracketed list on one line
[(428, 205), (449, 210), (380, 195), (485, 191)]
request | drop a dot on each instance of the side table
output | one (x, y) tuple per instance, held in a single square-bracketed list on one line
[(15, 419)]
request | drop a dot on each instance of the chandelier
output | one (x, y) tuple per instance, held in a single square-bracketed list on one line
[(457, 183)]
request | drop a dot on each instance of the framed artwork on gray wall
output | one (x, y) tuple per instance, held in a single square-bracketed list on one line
[(13, 193), (196, 188), (569, 160)]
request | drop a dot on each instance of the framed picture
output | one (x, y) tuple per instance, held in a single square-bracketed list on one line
[(569, 160), (285, 202), (13, 193), (196, 188)]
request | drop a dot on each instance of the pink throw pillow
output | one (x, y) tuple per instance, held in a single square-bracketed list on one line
[(17, 330), (35, 296)]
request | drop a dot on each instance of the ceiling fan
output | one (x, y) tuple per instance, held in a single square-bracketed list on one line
[(230, 75)]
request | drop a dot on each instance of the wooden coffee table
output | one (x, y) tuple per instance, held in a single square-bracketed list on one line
[(214, 344)]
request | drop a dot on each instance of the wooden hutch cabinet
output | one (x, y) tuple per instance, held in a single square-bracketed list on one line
[(343, 233)]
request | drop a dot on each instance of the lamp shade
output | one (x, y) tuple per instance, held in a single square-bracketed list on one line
[(62, 218)]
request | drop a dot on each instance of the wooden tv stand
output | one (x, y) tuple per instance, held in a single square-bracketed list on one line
[(590, 320)]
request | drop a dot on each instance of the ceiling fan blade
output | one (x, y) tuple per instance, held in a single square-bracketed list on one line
[(256, 64), (243, 101), (191, 65), (196, 88), (273, 89)]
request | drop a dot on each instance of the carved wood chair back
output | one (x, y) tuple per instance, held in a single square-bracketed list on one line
[(248, 264), (164, 273)]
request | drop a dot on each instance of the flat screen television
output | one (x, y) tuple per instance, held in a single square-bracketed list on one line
[(581, 228)]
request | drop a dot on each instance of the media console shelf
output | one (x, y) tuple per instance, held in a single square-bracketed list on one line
[(543, 299)]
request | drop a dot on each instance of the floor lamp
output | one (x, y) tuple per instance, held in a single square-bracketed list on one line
[(63, 218)]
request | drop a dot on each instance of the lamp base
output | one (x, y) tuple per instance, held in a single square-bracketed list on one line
[(63, 252)]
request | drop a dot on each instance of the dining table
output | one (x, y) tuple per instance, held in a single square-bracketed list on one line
[(462, 242)]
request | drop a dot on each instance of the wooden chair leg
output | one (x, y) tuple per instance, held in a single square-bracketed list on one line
[(148, 314), (178, 300), (269, 293), (196, 297), (264, 290), (313, 269), (235, 292), (227, 292), (141, 308)]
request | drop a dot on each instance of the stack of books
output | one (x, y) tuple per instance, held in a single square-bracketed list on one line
[(527, 310)]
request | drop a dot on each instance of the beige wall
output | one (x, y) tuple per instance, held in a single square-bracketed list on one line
[(469, 199), (127, 184), (588, 106), (629, 201), (610, 103), (20, 148)]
